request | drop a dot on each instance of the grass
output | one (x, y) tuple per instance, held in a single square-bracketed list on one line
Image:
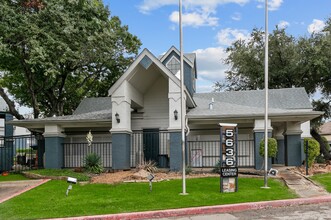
[(61, 172), (12, 177), (49, 200), (324, 180)]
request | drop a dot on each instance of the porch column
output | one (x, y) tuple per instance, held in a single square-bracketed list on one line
[(9, 129), (305, 127), (121, 145), (54, 138), (258, 136), (278, 135), (175, 126), (175, 151), (121, 132), (293, 144)]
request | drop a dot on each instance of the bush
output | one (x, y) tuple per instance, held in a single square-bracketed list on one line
[(313, 149), (272, 147), (217, 168), (92, 163)]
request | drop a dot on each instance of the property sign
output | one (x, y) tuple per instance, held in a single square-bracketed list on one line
[(228, 157)]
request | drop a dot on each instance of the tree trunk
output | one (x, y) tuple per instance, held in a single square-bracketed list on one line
[(323, 149)]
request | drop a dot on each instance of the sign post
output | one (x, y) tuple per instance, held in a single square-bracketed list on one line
[(228, 157)]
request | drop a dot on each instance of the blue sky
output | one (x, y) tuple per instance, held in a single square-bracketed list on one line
[(211, 25)]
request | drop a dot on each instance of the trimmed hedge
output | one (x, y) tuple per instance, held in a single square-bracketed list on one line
[(272, 147), (313, 149)]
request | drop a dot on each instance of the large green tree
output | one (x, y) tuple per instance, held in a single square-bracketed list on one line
[(55, 52), (302, 62)]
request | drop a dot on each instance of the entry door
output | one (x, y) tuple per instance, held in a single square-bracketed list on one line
[(151, 144)]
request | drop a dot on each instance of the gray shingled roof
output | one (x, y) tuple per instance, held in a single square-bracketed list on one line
[(89, 105), (251, 102)]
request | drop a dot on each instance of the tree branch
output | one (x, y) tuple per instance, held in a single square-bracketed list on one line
[(11, 105)]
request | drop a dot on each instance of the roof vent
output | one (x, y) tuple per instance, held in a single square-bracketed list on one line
[(211, 104)]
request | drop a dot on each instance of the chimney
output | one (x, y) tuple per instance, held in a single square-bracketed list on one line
[(211, 104)]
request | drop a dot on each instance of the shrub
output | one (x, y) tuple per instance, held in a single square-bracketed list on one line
[(188, 170), (149, 166), (272, 147), (217, 167), (92, 163), (313, 150)]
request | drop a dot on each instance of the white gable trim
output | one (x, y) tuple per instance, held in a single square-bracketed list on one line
[(176, 51), (129, 72)]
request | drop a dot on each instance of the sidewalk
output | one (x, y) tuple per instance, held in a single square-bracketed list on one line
[(10, 189), (301, 185)]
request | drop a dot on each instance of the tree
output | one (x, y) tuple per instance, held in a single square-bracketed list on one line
[(287, 65), (55, 52), (303, 62)]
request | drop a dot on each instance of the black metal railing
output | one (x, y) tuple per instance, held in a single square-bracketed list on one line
[(19, 153), (75, 153), (206, 154)]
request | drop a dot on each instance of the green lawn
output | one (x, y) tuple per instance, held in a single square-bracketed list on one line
[(324, 180), (49, 200), (12, 177)]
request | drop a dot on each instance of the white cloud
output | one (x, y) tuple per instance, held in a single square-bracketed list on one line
[(316, 26), (273, 5), (194, 19), (228, 36), (211, 67), (283, 24), (236, 16), (206, 5)]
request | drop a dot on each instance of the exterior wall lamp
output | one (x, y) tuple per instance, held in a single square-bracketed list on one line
[(176, 114), (117, 116)]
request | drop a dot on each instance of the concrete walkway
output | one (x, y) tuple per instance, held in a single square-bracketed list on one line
[(301, 185), (10, 189)]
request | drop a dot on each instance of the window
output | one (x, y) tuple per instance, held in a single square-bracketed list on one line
[(173, 65)]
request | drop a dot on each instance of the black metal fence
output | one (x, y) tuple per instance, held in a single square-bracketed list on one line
[(75, 153), (204, 154), (18, 153)]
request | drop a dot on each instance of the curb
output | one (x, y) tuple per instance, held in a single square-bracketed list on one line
[(24, 190), (207, 209)]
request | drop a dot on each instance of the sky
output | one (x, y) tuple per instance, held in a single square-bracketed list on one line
[(210, 26)]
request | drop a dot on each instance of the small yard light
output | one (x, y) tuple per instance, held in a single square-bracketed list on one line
[(176, 114), (150, 178), (71, 181), (117, 116)]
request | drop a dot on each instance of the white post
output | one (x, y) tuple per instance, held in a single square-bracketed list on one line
[(183, 108), (266, 61)]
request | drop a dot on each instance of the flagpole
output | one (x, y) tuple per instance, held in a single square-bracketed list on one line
[(266, 78), (183, 108)]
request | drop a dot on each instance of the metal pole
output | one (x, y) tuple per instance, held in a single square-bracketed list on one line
[(307, 173), (183, 108), (266, 61)]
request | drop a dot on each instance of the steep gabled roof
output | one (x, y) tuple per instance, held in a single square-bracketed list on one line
[(146, 58), (189, 58), (141, 58)]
